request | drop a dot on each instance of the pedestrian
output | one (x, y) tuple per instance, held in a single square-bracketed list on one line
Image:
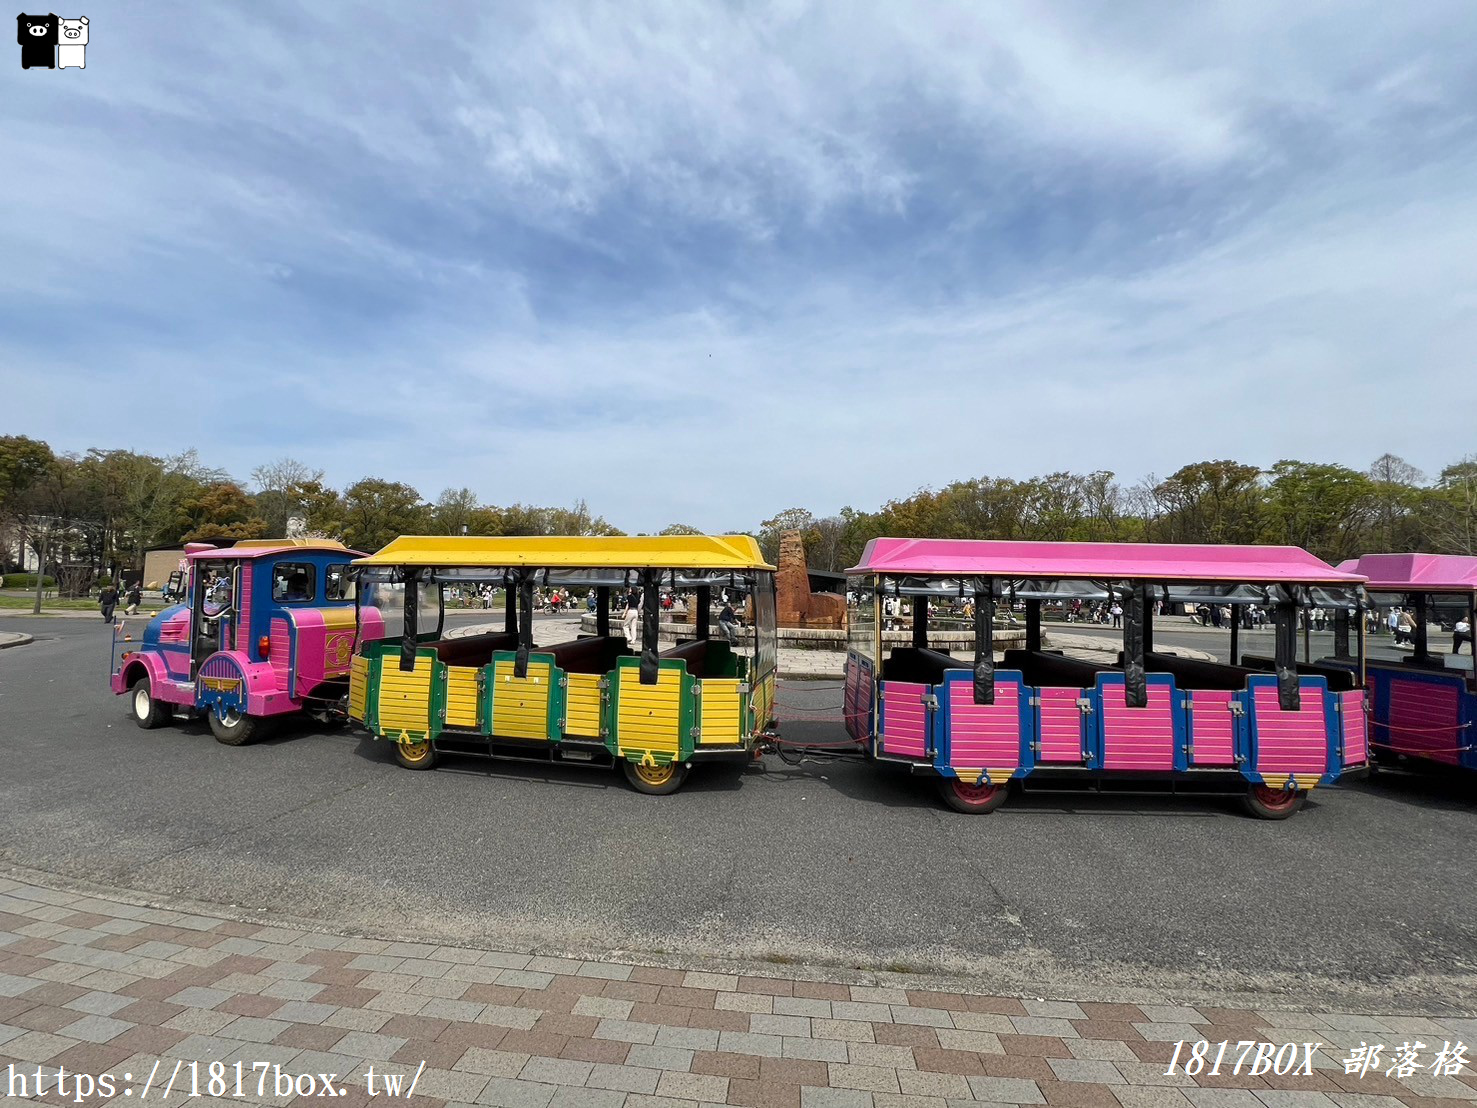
[(1462, 633), (1394, 622), (1117, 612), (107, 599), (633, 614), (1405, 629), (135, 598), (728, 623)]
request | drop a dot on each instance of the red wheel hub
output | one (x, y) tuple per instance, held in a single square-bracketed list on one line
[(1275, 798), (973, 794)]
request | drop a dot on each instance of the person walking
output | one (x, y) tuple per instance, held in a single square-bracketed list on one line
[(107, 599), (135, 598), (1404, 629), (1461, 633), (633, 615), (728, 623)]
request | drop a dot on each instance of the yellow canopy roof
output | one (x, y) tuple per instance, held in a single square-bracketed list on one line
[(717, 552)]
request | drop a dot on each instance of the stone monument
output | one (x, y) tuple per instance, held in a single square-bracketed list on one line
[(797, 605)]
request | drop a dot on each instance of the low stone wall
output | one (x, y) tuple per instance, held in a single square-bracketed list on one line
[(815, 638)]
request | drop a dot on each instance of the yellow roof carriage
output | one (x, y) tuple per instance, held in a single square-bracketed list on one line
[(694, 692)]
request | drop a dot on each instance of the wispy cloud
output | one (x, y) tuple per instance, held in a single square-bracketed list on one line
[(701, 261)]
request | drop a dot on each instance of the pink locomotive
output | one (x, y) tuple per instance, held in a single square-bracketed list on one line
[(267, 629)]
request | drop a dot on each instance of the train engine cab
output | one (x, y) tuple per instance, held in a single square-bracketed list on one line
[(267, 630)]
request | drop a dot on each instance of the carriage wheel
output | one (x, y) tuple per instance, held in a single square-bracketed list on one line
[(1268, 803), (963, 797), (421, 755), (655, 780)]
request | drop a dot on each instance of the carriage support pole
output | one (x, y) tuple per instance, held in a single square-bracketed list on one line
[(1421, 643), (602, 611), (1289, 696), (651, 624), (984, 640), (702, 616), (410, 628), (525, 623), (1135, 686)]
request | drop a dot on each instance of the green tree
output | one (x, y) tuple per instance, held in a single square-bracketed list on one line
[(1398, 497), (1208, 502), (679, 529), (277, 484), (220, 510), (1326, 509), (1447, 515), (455, 509), (320, 506), (376, 511), (22, 462)]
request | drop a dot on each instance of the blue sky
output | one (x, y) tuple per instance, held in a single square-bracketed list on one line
[(702, 262)]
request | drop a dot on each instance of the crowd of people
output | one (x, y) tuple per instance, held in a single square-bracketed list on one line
[(564, 600)]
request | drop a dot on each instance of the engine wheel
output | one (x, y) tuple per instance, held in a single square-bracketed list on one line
[(147, 712), (234, 728)]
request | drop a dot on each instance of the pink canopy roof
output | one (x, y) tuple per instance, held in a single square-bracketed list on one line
[(1104, 561), (1416, 572), (265, 549)]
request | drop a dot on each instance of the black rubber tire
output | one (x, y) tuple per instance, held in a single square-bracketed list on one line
[(238, 730), (424, 755), (972, 799), (1262, 807), (643, 784), (147, 712)]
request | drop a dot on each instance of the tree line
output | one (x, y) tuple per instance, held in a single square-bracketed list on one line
[(1332, 511), (106, 507)]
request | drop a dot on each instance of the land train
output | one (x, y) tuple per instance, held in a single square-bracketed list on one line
[(272, 628)]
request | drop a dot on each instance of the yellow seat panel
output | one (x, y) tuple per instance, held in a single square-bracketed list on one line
[(405, 698), (358, 687), (721, 718), (461, 696), (520, 706), (582, 705), (649, 717)]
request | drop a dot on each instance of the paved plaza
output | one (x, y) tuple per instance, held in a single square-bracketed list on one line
[(811, 936), (98, 986)]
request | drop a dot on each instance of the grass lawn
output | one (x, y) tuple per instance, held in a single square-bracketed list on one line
[(13, 602)]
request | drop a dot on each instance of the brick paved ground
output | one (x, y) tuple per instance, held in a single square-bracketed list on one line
[(96, 986)]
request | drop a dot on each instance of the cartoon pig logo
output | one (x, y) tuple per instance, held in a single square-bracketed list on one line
[(71, 50)]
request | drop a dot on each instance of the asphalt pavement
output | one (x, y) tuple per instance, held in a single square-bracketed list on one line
[(1366, 894)]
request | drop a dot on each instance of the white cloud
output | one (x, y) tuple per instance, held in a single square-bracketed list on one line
[(700, 261)]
